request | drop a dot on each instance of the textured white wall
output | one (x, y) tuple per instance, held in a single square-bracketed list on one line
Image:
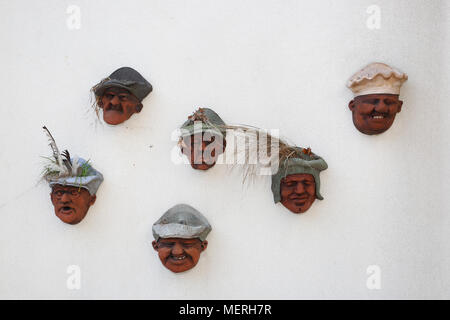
[(273, 64)]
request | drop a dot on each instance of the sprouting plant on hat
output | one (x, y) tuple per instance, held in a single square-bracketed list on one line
[(260, 142), (199, 115), (61, 164)]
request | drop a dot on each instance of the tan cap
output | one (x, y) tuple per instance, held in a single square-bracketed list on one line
[(377, 77)]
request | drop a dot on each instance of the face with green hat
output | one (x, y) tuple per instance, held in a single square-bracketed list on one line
[(203, 138), (297, 183)]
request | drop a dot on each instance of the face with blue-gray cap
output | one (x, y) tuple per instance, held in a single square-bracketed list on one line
[(180, 237), (71, 203), (179, 254)]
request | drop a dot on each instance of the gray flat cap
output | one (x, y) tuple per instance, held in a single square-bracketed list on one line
[(213, 123), (309, 164), (126, 78), (181, 221), (91, 181)]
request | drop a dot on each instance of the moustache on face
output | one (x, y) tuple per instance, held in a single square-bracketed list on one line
[(111, 107)]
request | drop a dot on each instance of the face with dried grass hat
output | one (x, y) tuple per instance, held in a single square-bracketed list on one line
[(376, 103), (74, 183), (120, 95), (202, 138)]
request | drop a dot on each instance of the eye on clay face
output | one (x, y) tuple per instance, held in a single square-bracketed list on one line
[(118, 105), (203, 150), (178, 254), (374, 113), (71, 204), (298, 192)]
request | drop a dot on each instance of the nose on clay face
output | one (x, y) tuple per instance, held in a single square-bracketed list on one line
[(300, 188), (177, 249)]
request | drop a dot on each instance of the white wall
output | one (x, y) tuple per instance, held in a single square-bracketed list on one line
[(273, 64)]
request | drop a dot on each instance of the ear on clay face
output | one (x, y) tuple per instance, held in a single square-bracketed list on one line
[(351, 105), (204, 245), (92, 200), (400, 103)]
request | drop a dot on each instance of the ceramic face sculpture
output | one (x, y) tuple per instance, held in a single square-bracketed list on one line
[(71, 203), (376, 88), (121, 94), (180, 237), (74, 184), (297, 183), (203, 138)]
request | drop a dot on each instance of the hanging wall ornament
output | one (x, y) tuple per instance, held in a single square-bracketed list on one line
[(120, 95), (180, 237), (297, 183), (294, 170), (376, 103), (74, 183), (203, 138)]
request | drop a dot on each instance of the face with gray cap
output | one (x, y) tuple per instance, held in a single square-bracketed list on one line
[(120, 95), (180, 237), (71, 203), (178, 254), (118, 105)]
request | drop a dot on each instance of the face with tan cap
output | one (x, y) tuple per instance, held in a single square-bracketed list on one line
[(376, 88), (374, 113)]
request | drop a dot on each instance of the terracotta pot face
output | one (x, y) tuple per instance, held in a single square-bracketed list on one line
[(298, 192), (203, 150), (178, 254), (71, 203), (118, 105), (374, 113)]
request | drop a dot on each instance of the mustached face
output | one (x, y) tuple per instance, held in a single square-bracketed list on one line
[(118, 105), (203, 149), (298, 192), (374, 113), (71, 203), (179, 255)]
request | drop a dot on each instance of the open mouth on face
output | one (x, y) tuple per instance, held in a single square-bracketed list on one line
[(66, 210)]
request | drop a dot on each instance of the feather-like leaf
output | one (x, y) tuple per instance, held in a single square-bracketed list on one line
[(67, 162)]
